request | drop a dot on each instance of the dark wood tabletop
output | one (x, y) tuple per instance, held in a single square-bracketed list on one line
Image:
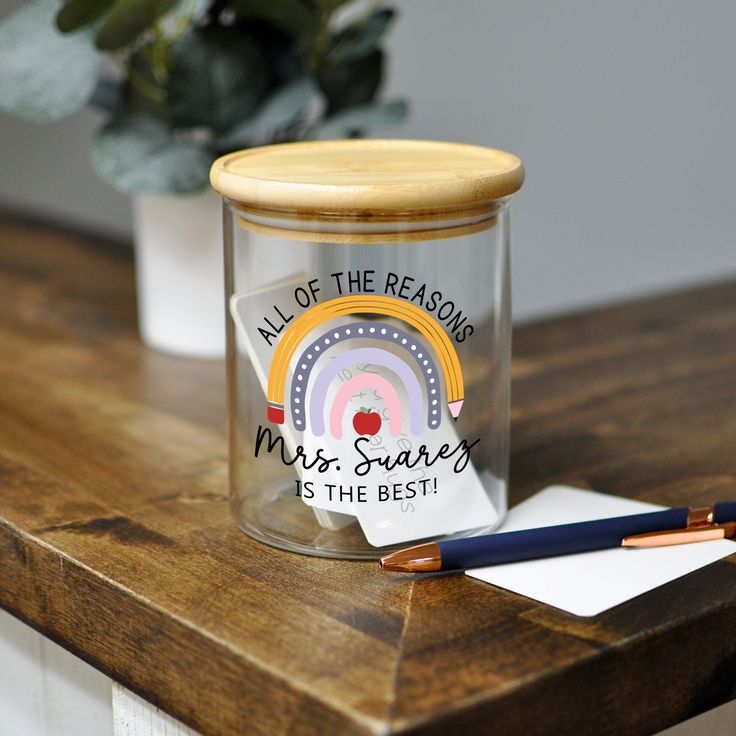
[(116, 540)]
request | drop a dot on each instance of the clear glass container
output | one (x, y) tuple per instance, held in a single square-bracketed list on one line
[(369, 342)]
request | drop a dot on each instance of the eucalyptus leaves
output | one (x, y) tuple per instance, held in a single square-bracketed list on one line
[(193, 79)]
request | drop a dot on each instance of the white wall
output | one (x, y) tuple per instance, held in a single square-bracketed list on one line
[(623, 112), (47, 691)]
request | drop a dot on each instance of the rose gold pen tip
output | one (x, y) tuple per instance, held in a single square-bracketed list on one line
[(422, 558)]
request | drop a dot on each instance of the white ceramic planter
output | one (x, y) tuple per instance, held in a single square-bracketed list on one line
[(179, 270)]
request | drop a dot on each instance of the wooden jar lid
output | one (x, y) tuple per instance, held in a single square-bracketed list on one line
[(365, 181)]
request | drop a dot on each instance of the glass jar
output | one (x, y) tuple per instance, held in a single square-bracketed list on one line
[(368, 341)]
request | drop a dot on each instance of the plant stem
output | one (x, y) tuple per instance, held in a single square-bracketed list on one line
[(320, 42), (184, 21), (159, 50), (151, 91)]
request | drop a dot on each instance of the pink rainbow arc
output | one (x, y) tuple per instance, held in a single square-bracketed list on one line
[(366, 380)]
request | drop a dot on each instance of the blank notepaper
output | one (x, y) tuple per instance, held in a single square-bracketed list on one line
[(591, 582)]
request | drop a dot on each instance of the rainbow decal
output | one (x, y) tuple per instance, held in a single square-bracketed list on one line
[(412, 315)]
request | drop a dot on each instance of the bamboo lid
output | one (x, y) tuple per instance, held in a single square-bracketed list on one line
[(377, 179)]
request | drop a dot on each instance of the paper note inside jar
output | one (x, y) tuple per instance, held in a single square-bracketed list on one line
[(360, 401)]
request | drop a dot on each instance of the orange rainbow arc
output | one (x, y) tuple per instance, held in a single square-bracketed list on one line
[(360, 304)]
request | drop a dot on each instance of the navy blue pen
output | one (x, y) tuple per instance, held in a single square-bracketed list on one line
[(655, 529)]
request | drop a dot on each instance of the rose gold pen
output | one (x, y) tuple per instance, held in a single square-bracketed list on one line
[(654, 529)]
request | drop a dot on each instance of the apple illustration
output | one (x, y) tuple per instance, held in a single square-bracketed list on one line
[(366, 421)]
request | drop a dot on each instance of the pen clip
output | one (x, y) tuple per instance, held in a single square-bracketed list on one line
[(670, 537)]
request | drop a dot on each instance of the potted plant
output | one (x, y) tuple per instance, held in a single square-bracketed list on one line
[(182, 82)]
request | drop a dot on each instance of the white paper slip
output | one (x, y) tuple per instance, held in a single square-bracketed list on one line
[(589, 583), (246, 310), (454, 501)]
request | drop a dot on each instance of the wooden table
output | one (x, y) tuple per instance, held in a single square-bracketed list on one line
[(115, 538)]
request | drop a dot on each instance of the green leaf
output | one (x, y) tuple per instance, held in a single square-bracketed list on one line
[(364, 116), (359, 38), (143, 94), (137, 153), (79, 13), (295, 17), (216, 78), (285, 106), (108, 95), (127, 20), (193, 8), (353, 83), (44, 75), (329, 6)]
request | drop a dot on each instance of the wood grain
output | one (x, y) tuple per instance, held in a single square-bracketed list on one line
[(360, 179), (116, 541)]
